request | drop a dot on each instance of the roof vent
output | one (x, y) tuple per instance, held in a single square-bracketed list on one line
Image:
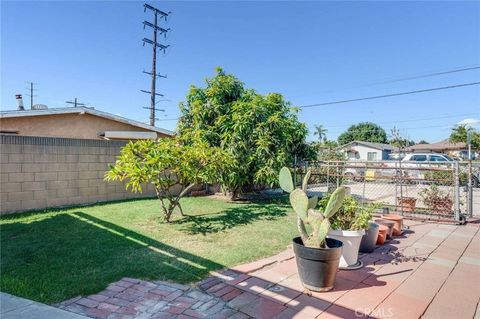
[(39, 107), (19, 99)]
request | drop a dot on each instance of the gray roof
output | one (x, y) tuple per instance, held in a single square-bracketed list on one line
[(378, 146), (84, 110)]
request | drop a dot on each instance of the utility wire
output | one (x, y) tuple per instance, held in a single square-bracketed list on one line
[(428, 75), (446, 116), (391, 95)]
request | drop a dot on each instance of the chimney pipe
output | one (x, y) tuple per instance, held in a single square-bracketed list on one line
[(19, 102)]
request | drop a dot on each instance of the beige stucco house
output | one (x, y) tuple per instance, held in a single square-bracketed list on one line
[(76, 122)]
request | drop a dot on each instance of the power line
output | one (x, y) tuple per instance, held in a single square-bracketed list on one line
[(155, 45), (429, 75), (75, 103), (391, 95), (417, 119), (32, 95), (425, 74), (175, 119)]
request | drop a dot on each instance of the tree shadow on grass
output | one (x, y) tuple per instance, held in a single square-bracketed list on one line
[(66, 255), (243, 214)]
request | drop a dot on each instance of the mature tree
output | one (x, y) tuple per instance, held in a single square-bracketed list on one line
[(460, 132), (365, 131), (422, 142), (261, 133), (170, 166), (321, 132)]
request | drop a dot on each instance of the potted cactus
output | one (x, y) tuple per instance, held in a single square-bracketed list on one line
[(316, 255)]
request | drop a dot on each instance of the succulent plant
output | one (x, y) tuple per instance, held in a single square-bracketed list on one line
[(304, 207)]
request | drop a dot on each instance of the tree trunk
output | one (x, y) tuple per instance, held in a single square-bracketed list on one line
[(234, 195)]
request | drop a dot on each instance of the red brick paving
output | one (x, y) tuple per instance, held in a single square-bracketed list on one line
[(431, 271)]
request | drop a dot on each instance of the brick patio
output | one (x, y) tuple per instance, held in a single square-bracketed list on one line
[(432, 271)]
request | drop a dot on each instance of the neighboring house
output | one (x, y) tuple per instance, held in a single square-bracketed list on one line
[(459, 150), (444, 146), (76, 122), (366, 151)]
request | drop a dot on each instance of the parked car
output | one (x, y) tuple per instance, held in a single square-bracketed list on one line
[(425, 161), (427, 157)]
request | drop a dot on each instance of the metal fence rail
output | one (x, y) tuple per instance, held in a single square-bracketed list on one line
[(430, 190)]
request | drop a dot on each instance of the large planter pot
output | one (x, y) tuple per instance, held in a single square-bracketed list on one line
[(369, 240), (351, 244), (382, 234), (398, 223), (407, 203), (317, 267), (387, 223)]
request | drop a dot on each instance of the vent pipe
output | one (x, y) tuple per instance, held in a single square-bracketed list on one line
[(19, 102)]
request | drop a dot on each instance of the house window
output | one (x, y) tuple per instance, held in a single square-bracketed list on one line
[(371, 156)]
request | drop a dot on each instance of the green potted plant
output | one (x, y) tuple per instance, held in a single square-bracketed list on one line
[(436, 200), (316, 255), (349, 226)]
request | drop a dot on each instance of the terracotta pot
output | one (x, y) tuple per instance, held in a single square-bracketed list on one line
[(387, 223), (398, 220), (407, 203), (382, 234)]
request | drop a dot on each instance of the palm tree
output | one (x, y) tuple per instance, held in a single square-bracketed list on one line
[(321, 132)]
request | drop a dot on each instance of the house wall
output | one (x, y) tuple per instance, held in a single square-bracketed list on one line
[(41, 172), (85, 126), (362, 152)]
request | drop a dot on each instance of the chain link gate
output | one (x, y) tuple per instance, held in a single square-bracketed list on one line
[(430, 190)]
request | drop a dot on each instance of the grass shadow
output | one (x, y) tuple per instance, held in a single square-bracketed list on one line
[(65, 255), (243, 214)]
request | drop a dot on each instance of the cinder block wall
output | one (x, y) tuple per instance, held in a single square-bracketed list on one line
[(41, 172)]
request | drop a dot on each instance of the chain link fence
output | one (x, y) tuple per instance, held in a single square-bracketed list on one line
[(427, 190)]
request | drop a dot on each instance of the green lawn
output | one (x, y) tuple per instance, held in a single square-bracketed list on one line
[(55, 255)]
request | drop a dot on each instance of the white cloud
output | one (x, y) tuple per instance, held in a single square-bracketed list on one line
[(469, 122)]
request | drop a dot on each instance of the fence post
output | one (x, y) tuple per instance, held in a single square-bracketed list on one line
[(328, 175), (338, 177), (470, 189), (456, 191)]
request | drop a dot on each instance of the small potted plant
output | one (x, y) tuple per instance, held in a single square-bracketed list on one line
[(436, 200), (316, 255), (349, 226)]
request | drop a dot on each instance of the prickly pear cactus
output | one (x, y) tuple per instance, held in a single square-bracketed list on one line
[(299, 202), (304, 207), (285, 180)]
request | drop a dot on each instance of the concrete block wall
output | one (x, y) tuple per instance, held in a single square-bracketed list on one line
[(41, 172)]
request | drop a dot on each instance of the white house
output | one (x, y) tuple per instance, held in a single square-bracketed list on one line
[(366, 151)]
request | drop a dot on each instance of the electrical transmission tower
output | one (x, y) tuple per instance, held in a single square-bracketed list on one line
[(31, 89), (75, 103), (158, 14)]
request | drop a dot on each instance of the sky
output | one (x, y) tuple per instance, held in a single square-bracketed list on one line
[(311, 52)]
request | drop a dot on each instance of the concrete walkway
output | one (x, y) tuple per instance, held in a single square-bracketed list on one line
[(432, 271), (12, 307)]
